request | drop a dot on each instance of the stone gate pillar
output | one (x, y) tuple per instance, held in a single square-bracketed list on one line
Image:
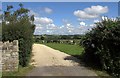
[(10, 56)]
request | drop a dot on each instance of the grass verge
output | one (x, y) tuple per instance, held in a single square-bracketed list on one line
[(21, 72), (0, 74)]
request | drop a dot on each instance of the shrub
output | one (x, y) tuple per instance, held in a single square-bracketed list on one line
[(18, 26), (102, 45)]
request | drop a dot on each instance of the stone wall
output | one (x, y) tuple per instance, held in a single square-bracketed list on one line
[(10, 56)]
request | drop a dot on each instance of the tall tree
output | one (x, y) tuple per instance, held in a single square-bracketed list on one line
[(17, 26)]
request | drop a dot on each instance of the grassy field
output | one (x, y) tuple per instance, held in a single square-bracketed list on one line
[(69, 49)]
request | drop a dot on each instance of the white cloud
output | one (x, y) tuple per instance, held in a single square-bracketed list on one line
[(48, 10), (43, 20), (68, 24), (95, 21), (82, 23), (46, 25), (66, 29), (39, 27), (91, 12), (96, 9), (83, 15), (51, 26)]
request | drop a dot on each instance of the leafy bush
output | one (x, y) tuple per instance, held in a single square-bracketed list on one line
[(102, 45), (19, 26)]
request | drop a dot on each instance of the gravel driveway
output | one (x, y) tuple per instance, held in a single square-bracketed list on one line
[(51, 62)]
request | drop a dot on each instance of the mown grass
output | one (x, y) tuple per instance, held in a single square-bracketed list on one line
[(66, 48)]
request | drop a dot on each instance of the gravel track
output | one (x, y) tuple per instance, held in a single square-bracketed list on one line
[(51, 62)]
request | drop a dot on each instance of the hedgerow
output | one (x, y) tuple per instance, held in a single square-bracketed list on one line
[(102, 45)]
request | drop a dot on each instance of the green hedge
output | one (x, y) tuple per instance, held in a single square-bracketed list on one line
[(102, 45), (21, 28)]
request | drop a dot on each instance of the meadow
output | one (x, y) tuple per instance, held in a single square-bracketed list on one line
[(66, 48)]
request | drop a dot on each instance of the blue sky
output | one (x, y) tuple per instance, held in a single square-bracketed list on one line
[(67, 17)]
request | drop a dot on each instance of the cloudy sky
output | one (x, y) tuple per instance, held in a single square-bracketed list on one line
[(69, 17)]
